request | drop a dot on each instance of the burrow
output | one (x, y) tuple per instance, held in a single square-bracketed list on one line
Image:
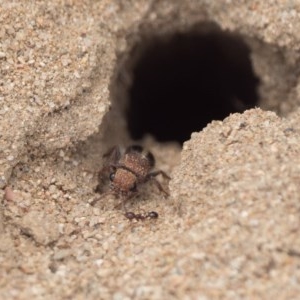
[(172, 84)]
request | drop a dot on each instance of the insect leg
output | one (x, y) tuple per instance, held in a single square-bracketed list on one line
[(152, 175), (125, 200), (159, 186), (100, 197), (159, 172), (113, 154)]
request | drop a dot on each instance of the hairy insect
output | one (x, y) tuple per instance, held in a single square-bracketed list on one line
[(132, 216), (127, 171)]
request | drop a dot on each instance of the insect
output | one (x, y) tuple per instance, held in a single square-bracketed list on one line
[(150, 215), (128, 170)]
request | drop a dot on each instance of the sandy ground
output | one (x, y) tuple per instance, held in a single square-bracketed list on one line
[(229, 229)]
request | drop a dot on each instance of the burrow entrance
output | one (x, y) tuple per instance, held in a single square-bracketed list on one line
[(182, 81)]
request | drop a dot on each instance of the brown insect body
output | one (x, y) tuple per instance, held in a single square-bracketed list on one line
[(129, 170)]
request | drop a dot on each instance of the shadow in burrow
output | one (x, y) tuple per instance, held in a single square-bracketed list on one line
[(182, 81)]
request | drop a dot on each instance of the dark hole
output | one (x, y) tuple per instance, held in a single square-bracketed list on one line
[(184, 81)]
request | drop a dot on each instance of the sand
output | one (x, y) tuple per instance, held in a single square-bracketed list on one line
[(228, 230)]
